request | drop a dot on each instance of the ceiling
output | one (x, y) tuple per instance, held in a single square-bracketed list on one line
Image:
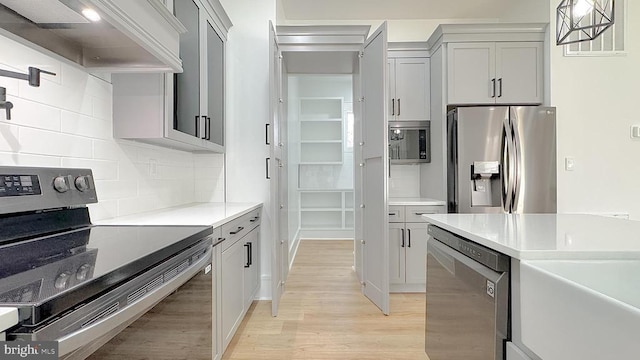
[(394, 9)]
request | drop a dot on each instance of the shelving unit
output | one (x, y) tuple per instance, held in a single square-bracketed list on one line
[(321, 131), (326, 210)]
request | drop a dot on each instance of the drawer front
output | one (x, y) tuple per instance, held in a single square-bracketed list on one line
[(254, 218), (235, 229), (414, 213), (396, 213)]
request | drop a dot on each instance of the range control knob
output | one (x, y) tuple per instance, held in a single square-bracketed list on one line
[(83, 183), (62, 281), (60, 184), (83, 272)]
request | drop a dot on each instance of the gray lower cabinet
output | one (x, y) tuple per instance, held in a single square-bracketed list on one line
[(408, 247), (240, 271)]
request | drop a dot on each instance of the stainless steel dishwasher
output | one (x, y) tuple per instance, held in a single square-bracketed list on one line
[(468, 315)]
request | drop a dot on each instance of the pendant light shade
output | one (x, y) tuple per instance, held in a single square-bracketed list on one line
[(582, 20)]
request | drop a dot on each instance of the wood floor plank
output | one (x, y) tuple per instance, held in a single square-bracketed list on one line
[(323, 315)]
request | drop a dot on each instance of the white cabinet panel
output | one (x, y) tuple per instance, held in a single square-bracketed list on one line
[(495, 72), (412, 89), (251, 268), (232, 290), (471, 69), (409, 89), (408, 246), (519, 72), (416, 253)]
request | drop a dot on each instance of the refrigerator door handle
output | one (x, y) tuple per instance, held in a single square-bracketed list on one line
[(508, 167), (517, 161)]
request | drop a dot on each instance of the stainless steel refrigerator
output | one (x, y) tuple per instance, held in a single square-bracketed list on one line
[(501, 159)]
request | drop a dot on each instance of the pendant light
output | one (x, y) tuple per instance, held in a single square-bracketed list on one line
[(582, 20)]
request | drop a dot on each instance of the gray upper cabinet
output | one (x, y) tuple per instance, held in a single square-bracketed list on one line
[(408, 88), (185, 110), (495, 73)]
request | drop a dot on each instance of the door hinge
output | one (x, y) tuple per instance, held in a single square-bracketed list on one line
[(363, 283), (361, 206), (281, 242), (361, 143), (281, 283), (361, 99), (280, 100), (362, 242), (361, 54), (280, 56), (361, 164)]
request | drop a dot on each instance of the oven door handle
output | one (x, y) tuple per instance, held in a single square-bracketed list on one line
[(127, 315)]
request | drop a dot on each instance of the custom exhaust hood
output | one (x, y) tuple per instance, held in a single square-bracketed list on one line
[(100, 35)]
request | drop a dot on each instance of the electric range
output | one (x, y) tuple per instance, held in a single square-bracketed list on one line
[(70, 279)]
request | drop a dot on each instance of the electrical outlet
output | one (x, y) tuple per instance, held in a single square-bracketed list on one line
[(153, 167), (569, 163)]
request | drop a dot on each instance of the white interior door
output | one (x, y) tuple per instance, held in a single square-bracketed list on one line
[(274, 164), (374, 169)]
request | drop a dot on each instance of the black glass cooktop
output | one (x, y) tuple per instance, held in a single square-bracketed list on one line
[(54, 273)]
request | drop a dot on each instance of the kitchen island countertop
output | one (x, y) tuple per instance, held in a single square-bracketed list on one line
[(547, 236)]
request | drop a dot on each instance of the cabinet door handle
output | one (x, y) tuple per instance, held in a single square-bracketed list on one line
[(402, 230), (240, 228), (493, 88), (207, 128), (266, 134), (398, 107), (250, 253), (248, 247), (393, 107), (197, 126), (425, 213), (500, 87), (392, 214), (409, 237), (267, 168)]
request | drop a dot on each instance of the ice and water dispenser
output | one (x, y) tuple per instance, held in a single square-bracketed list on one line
[(485, 184)]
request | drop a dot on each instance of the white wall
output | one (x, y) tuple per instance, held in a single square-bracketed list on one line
[(248, 112), (67, 122), (596, 99)]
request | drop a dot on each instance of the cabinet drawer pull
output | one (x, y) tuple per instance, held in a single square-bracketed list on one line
[(248, 247), (425, 213), (218, 241), (266, 134), (393, 214), (240, 228), (207, 128), (254, 219)]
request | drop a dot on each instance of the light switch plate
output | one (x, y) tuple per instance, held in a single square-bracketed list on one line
[(569, 163)]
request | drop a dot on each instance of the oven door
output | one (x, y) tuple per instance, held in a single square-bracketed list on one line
[(174, 321), (467, 307)]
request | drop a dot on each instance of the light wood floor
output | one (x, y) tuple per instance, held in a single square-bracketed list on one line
[(323, 315)]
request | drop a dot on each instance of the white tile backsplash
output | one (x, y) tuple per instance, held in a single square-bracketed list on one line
[(68, 121), (404, 181)]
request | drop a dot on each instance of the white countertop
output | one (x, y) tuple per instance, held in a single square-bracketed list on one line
[(413, 201), (8, 318), (547, 236), (214, 214)]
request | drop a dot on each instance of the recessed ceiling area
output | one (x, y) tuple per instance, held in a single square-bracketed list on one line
[(320, 62), (413, 9)]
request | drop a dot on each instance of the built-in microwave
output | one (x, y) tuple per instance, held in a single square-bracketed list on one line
[(409, 142)]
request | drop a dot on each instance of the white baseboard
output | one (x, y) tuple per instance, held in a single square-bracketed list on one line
[(264, 293), (407, 288)]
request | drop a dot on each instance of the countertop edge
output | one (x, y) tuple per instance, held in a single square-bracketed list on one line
[(8, 318)]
